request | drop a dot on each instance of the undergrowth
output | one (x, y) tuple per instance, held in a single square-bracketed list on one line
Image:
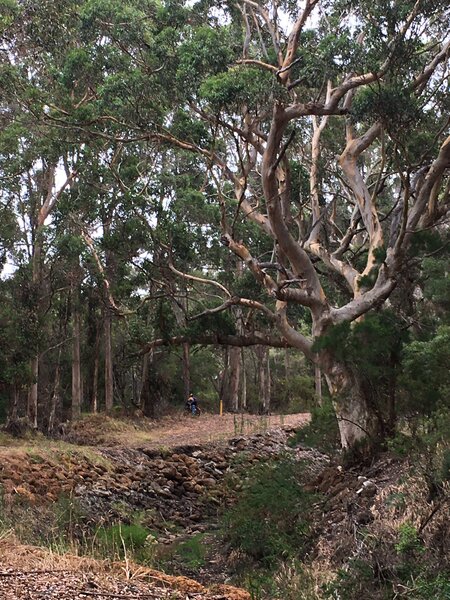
[(65, 526), (268, 522), (322, 432)]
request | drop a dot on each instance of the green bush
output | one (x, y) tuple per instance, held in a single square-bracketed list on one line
[(351, 583), (121, 540), (409, 541), (268, 522), (322, 432), (191, 552)]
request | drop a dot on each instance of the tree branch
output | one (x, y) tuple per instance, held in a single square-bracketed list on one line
[(218, 339)]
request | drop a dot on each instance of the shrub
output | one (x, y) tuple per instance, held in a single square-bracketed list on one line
[(191, 552), (322, 432), (409, 541), (268, 522), (124, 540)]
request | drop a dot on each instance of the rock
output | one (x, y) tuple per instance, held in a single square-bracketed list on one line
[(170, 472), (364, 517), (367, 489)]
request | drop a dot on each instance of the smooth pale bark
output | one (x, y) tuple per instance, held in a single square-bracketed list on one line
[(14, 404), (95, 371), (56, 396), (357, 421), (109, 383), (32, 406), (49, 198), (224, 380), (263, 379), (318, 384), (76, 360), (234, 375), (186, 359), (32, 401), (243, 383)]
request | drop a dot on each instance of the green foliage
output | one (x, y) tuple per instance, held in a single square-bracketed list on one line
[(125, 540), (352, 582), (239, 85), (221, 323), (395, 106), (191, 552), (205, 53), (294, 394), (186, 128), (425, 588), (409, 541), (426, 377), (9, 9), (268, 521), (321, 432), (54, 526), (372, 348)]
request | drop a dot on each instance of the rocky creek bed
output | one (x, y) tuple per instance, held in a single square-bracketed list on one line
[(179, 494), (179, 488)]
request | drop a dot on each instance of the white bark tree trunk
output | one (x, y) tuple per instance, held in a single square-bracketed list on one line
[(76, 361), (109, 383), (357, 422)]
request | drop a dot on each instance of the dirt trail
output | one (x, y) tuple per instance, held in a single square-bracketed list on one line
[(175, 430), (188, 430)]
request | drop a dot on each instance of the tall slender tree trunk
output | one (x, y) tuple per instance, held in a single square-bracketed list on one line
[(32, 403), (186, 360), (32, 406), (76, 361), (264, 378), (109, 383), (55, 400), (95, 370), (14, 404), (243, 383), (149, 398), (318, 384), (231, 379), (234, 377)]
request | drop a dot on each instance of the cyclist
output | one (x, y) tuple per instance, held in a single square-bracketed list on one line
[(192, 404)]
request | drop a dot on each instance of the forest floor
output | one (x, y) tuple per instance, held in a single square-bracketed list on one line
[(180, 429), (35, 472), (175, 478)]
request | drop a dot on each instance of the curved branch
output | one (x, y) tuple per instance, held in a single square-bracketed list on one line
[(258, 63), (218, 339), (236, 301), (199, 279), (293, 41), (301, 264), (365, 201), (90, 243), (363, 303)]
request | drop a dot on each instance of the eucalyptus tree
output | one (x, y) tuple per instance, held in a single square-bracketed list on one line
[(331, 127), (321, 130), (322, 127), (327, 132)]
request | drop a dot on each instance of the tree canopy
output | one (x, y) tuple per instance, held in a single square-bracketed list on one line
[(155, 147)]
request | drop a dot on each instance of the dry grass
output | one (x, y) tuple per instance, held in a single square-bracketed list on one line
[(15, 556), (175, 430)]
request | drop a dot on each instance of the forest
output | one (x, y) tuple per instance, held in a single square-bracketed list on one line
[(213, 196), (247, 200)]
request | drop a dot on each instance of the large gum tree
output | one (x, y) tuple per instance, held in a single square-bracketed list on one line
[(321, 128), (327, 134)]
